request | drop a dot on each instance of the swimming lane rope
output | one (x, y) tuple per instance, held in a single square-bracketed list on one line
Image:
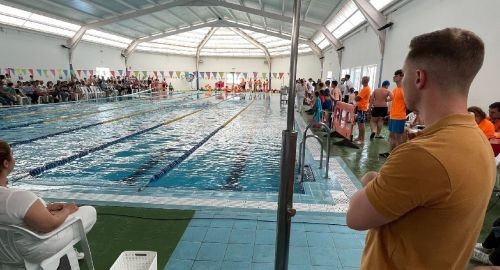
[(86, 126), (63, 161), (177, 161)]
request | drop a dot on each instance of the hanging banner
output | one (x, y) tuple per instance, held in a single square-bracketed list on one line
[(275, 74), (221, 75), (214, 74), (155, 73), (39, 71), (245, 75), (136, 74), (162, 74), (120, 71), (46, 73), (112, 73), (53, 71), (208, 75), (171, 74), (65, 73), (178, 73), (202, 75), (281, 75), (264, 75)]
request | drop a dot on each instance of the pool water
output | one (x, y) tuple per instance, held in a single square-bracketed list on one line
[(242, 156)]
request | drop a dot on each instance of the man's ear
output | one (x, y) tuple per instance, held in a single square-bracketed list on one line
[(421, 79)]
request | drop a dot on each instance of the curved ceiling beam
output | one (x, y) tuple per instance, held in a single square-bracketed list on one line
[(131, 47), (72, 42), (315, 48), (375, 18), (218, 23), (201, 45), (253, 41)]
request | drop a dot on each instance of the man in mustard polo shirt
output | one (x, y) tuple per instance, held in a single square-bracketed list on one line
[(426, 206), (362, 102)]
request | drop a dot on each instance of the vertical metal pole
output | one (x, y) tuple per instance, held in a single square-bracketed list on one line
[(382, 54), (289, 137)]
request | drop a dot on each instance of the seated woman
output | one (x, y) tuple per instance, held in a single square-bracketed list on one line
[(484, 124), (21, 207)]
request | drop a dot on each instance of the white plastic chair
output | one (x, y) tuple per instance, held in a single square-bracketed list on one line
[(10, 257)]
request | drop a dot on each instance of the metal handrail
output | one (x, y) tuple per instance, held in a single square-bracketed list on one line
[(302, 156), (302, 151)]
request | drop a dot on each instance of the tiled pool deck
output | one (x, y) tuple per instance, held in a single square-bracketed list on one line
[(236, 230)]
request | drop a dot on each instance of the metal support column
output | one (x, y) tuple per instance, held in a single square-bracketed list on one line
[(288, 153)]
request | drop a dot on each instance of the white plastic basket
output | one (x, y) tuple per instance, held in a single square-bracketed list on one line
[(136, 260)]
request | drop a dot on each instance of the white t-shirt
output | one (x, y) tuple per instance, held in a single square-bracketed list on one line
[(14, 203), (300, 90)]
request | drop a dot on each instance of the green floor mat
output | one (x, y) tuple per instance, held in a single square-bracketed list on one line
[(126, 228)]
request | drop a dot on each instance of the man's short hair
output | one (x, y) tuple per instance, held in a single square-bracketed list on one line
[(386, 83), (347, 76), (451, 56), (495, 105), (399, 72), (335, 83)]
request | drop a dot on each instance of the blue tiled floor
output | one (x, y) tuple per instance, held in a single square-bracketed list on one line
[(249, 243)]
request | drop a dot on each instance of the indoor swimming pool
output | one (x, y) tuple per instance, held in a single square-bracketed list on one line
[(182, 142)]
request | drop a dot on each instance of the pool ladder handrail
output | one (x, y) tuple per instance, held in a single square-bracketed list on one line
[(302, 149)]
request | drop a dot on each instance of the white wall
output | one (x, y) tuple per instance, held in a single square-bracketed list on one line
[(422, 16), (26, 49)]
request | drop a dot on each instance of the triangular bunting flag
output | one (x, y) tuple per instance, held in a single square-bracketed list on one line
[(178, 73), (238, 74), (46, 73), (208, 75), (53, 71), (17, 71), (25, 72), (202, 75), (162, 74), (136, 74), (145, 73), (39, 71), (186, 74), (221, 75), (264, 75), (91, 72), (155, 73), (65, 73), (275, 74), (59, 72), (85, 73), (245, 75), (214, 74), (120, 71), (30, 70), (171, 74), (112, 73), (79, 71)]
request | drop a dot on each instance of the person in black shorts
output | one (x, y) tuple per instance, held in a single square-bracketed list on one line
[(378, 101)]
